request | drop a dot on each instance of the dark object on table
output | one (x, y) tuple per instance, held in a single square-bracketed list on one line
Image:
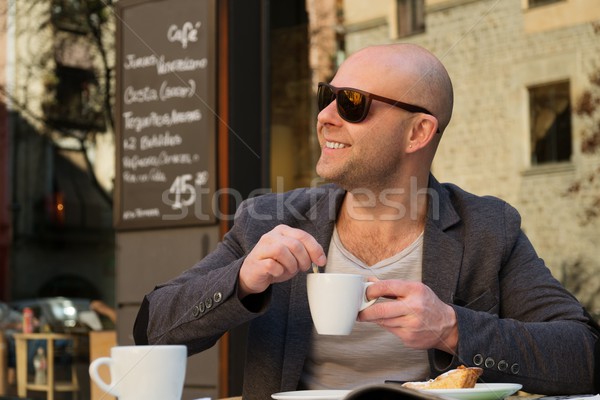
[(388, 391)]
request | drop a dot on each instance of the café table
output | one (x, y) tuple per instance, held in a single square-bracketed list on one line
[(517, 396), (51, 386)]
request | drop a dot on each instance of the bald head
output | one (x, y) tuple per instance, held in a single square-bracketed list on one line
[(405, 72)]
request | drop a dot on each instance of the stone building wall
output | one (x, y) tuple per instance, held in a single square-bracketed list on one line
[(495, 50)]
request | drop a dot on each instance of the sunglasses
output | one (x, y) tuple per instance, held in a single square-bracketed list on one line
[(353, 104)]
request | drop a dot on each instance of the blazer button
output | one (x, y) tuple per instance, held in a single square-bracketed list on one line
[(515, 368), (195, 311), (208, 303), (502, 365), (201, 307), (217, 297), (489, 362), (478, 359)]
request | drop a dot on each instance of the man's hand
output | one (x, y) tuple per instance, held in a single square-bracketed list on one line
[(278, 256), (414, 314)]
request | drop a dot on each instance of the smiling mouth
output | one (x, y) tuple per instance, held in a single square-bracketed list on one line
[(334, 145)]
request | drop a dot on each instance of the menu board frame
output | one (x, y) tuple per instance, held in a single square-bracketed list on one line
[(165, 114)]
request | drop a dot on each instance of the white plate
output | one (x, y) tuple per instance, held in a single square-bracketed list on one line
[(311, 394), (481, 391)]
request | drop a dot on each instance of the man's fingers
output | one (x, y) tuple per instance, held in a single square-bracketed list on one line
[(310, 244), (385, 310), (289, 253), (392, 288), (279, 254)]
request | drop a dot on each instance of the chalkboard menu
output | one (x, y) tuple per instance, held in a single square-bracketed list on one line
[(165, 113)]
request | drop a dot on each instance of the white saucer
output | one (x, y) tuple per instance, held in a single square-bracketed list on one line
[(481, 391), (311, 395)]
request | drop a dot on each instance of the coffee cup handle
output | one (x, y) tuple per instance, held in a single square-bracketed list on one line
[(96, 376), (366, 302)]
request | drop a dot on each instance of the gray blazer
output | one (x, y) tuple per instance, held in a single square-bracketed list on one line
[(514, 319)]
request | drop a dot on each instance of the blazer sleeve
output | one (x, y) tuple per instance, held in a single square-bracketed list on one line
[(528, 329), (199, 306)]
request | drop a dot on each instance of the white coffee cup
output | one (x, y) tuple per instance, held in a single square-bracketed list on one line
[(335, 300), (143, 372)]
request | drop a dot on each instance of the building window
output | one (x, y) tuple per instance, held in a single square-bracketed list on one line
[(411, 17), (550, 121), (74, 100), (539, 3), (69, 15)]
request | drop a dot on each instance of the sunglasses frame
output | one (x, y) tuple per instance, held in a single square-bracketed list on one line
[(369, 96)]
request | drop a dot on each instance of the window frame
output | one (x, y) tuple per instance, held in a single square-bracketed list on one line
[(416, 20), (541, 3), (554, 141), (65, 19), (65, 109)]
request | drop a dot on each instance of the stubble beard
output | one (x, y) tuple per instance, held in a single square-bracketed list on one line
[(352, 176)]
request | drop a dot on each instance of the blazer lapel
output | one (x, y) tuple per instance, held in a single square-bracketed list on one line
[(324, 214), (442, 254)]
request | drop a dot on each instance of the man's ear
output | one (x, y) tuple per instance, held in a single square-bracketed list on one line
[(422, 132)]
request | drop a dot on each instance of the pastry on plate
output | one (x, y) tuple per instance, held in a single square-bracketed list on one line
[(459, 378)]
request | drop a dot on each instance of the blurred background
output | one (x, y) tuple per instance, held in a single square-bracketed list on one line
[(78, 221)]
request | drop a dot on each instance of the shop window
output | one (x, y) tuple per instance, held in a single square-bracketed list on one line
[(550, 122), (539, 3), (411, 17)]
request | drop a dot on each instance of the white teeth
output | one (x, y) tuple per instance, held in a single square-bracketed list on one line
[(334, 145)]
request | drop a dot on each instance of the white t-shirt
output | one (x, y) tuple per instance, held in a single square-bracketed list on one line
[(370, 354)]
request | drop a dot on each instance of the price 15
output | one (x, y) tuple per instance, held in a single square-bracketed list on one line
[(183, 191)]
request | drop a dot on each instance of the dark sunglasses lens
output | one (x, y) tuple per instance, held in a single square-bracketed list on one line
[(351, 105), (324, 97)]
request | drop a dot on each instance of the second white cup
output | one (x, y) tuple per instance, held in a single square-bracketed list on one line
[(143, 372), (335, 300)]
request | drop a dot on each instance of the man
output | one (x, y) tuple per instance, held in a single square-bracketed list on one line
[(458, 281)]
